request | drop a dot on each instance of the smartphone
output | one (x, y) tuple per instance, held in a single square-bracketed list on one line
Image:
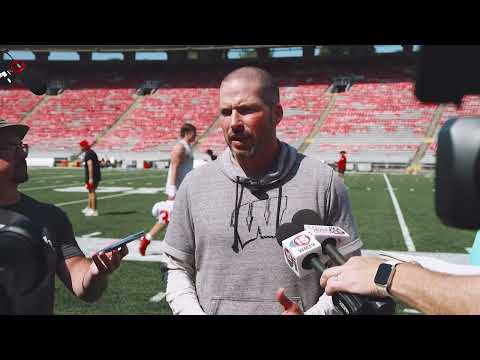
[(118, 244)]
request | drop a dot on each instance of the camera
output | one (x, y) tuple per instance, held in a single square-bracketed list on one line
[(446, 74), (26, 261)]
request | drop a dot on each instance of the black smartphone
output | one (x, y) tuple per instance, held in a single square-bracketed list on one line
[(118, 244)]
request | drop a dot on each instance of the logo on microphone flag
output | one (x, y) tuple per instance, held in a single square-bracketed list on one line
[(300, 240)]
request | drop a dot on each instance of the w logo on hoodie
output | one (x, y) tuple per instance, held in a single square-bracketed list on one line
[(257, 219)]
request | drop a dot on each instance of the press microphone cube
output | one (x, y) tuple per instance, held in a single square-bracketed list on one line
[(322, 233), (296, 248)]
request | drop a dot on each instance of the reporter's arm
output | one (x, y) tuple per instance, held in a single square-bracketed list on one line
[(436, 293), (88, 278), (427, 291)]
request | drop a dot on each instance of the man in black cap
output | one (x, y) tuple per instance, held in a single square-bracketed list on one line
[(85, 278)]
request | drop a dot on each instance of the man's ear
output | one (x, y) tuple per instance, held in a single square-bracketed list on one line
[(277, 114)]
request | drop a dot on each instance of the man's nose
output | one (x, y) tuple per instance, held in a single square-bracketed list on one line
[(236, 120)]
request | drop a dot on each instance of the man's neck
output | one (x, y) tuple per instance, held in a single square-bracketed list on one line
[(9, 194), (260, 164)]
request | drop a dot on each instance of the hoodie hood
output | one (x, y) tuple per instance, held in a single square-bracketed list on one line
[(284, 164)]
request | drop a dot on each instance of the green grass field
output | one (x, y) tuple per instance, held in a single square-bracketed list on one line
[(136, 282)]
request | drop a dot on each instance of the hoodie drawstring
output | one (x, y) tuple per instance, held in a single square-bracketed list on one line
[(236, 214), (238, 202)]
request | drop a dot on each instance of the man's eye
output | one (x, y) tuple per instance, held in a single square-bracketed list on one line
[(246, 110), (226, 112)]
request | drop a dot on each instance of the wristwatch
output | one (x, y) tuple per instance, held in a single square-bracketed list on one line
[(383, 278)]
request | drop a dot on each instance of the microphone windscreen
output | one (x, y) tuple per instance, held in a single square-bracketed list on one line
[(306, 217), (287, 230)]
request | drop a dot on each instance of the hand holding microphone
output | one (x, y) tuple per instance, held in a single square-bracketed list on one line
[(302, 254), (304, 251)]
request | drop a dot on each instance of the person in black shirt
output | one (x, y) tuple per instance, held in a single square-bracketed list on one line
[(85, 278), (92, 177)]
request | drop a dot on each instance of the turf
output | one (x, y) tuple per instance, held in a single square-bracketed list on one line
[(136, 282)]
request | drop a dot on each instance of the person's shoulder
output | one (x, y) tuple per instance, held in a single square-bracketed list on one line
[(207, 169), (322, 167), (45, 209)]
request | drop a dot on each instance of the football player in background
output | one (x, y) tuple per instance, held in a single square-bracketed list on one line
[(181, 163)]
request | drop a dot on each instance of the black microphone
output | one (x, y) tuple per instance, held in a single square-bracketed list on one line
[(329, 248), (309, 262), (304, 249)]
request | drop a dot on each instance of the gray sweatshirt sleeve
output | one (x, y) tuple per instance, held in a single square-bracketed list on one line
[(340, 214), (179, 239)]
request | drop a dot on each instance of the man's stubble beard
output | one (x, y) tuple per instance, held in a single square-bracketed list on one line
[(253, 150)]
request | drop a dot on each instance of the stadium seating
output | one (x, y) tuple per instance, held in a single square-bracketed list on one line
[(16, 103), (157, 120), (80, 113), (378, 120), (470, 107)]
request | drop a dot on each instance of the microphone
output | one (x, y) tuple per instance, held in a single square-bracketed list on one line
[(301, 247), (328, 236)]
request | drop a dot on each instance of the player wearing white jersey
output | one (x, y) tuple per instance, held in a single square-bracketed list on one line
[(181, 163)]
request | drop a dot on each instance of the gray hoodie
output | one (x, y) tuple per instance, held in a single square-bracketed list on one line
[(224, 224)]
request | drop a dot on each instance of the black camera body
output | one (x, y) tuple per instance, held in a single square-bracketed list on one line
[(446, 73), (26, 260), (457, 180)]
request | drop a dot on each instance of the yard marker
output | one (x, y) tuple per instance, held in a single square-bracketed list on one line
[(92, 234), (403, 226), (159, 297)]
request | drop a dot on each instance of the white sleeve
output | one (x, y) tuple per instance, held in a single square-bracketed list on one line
[(181, 294), (324, 306)]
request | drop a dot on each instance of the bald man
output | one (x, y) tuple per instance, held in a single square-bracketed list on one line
[(222, 254)]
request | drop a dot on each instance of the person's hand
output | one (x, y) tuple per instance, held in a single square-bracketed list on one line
[(290, 307), (356, 276), (89, 185), (107, 263)]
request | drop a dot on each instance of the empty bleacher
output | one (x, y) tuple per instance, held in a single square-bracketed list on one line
[(378, 120), (15, 104), (63, 121), (470, 107), (155, 123)]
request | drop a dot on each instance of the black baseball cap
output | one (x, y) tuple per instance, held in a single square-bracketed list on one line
[(18, 129)]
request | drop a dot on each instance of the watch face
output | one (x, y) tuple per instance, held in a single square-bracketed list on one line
[(383, 273)]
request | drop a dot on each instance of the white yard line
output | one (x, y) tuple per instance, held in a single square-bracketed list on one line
[(401, 220), (100, 198), (159, 297), (411, 311), (53, 177), (76, 184), (96, 233)]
